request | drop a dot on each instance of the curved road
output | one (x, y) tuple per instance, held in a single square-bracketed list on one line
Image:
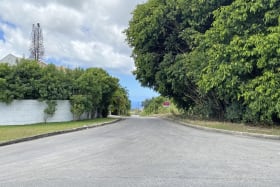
[(141, 152)]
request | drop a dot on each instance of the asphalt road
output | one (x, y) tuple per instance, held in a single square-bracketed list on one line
[(142, 152)]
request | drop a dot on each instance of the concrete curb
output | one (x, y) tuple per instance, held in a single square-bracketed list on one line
[(57, 133), (263, 136)]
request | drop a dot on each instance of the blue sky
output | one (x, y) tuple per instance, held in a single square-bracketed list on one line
[(136, 92), (2, 36), (87, 33)]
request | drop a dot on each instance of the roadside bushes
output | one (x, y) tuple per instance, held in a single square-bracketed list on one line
[(89, 90), (156, 106)]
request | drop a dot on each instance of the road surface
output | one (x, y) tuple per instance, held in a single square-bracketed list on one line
[(141, 152)]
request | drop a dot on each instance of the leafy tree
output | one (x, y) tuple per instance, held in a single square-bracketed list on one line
[(53, 84), (162, 35), (262, 96), (120, 103), (89, 87), (5, 78), (109, 86), (26, 76), (218, 59), (98, 86), (50, 109), (79, 105), (242, 52), (71, 78)]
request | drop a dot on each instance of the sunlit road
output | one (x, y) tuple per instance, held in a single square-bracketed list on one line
[(141, 152)]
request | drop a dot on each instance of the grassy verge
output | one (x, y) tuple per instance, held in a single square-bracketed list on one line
[(21, 131), (269, 130)]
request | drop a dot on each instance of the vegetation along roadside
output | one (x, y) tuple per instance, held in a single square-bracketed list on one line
[(237, 127), (155, 107), (215, 59)]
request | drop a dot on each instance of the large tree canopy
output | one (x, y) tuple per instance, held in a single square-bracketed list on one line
[(243, 58), (220, 58), (162, 34)]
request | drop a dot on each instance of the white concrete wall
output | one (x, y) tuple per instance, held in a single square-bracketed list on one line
[(21, 112)]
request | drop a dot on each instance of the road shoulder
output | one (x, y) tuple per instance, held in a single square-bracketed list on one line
[(58, 132), (256, 135)]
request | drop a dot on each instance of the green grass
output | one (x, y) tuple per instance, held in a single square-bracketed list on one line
[(269, 130), (21, 131)]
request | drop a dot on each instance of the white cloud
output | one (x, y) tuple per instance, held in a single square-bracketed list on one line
[(96, 54), (86, 33), (14, 41)]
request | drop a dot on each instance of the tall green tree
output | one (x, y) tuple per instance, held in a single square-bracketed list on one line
[(98, 86), (89, 87), (120, 103), (219, 58), (162, 35), (242, 52)]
